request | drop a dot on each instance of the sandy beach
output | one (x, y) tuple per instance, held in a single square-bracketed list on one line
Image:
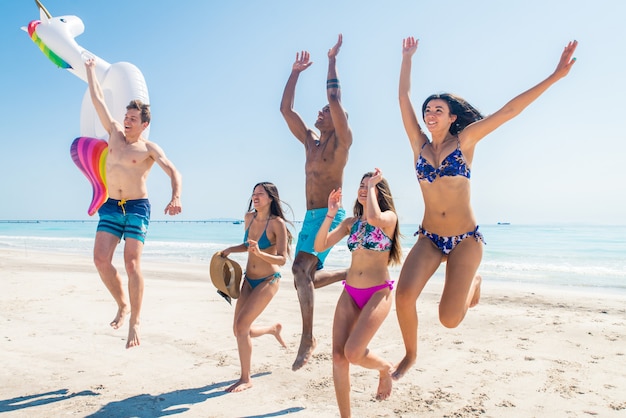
[(521, 353)]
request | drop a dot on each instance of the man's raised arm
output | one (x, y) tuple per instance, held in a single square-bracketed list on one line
[(97, 97), (333, 91), (296, 125)]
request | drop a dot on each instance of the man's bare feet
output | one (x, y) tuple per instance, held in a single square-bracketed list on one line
[(384, 384), (239, 386), (403, 367), (304, 353), (133, 336), (476, 296), (276, 333), (118, 321)]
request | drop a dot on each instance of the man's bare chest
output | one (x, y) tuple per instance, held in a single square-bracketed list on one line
[(129, 155)]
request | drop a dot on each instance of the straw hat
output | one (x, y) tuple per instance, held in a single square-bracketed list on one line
[(226, 276)]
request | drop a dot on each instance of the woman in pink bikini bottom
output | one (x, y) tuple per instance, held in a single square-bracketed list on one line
[(373, 239)]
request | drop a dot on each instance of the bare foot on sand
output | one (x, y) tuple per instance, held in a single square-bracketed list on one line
[(304, 353), (133, 336), (276, 333), (404, 366), (476, 296), (240, 386), (118, 321), (385, 383)]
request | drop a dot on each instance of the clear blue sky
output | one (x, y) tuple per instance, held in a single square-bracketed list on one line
[(216, 71)]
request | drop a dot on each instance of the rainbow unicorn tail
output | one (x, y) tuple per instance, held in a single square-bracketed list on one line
[(89, 155)]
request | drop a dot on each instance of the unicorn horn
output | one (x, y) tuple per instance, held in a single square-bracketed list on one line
[(43, 9)]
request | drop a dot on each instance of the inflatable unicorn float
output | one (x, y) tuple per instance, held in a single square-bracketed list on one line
[(121, 82)]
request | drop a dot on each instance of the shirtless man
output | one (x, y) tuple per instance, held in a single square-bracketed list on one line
[(326, 157), (127, 211)]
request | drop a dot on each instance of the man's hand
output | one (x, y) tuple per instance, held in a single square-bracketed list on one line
[(174, 207), (334, 51), (302, 61)]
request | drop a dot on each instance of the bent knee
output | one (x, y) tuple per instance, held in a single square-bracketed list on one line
[(355, 355), (241, 330), (451, 320)]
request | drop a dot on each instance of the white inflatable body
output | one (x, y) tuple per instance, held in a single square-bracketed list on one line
[(121, 82)]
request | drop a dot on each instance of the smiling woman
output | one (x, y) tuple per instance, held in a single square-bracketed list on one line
[(267, 242), (449, 230)]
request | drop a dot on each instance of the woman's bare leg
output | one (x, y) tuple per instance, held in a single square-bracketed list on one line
[(462, 287), (419, 266)]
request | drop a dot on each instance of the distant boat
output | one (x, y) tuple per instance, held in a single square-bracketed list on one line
[(504, 223), (237, 222)]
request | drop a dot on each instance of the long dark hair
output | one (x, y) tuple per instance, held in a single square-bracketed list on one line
[(465, 112), (385, 202), (276, 208)]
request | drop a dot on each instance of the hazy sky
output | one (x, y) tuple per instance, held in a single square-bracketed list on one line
[(216, 70)]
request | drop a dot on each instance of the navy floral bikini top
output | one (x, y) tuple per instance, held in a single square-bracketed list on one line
[(453, 165)]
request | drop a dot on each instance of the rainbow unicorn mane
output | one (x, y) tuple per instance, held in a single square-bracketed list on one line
[(58, 61), (89, 155)]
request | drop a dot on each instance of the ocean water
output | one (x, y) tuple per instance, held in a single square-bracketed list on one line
[(573, 256)]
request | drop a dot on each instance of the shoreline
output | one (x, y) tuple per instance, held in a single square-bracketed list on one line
[(196, 270), (517, 353)]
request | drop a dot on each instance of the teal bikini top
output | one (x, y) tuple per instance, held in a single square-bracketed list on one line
[(263, 241)]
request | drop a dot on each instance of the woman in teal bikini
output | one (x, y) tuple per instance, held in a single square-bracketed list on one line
[(267, 242), (449, 230), (373, 239)]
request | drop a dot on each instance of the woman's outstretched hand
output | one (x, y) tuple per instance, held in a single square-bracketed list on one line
[(566, 61), (409, 46), (334, 202)]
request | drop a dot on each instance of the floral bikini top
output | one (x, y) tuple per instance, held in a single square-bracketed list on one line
[(453, 165), (364, 235)]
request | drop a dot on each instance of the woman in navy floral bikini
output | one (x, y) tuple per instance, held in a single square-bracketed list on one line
[(449, 230)]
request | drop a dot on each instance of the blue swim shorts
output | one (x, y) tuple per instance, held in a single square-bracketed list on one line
[(125, 218), (312, 223)]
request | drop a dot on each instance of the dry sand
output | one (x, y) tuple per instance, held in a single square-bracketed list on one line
[(521, 353)]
